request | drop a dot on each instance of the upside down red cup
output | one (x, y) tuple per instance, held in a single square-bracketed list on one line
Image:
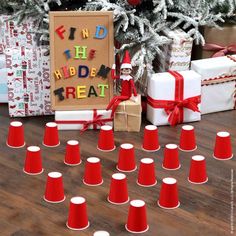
[(54, 192), (187, 139), (137, 217), (223, 148), (15, 137), (77, 218), (198, 173), (150, 139), (72, 156), (93, 172), (101, 233), (126, 162), (33, 161), (118, 189), (51, 136), (171, 157), (146, 175), (168, 198), (106, 141)]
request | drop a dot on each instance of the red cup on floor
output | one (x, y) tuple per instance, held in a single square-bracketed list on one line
[(106, 141), (198, 173), (137, 217), (171, 157), (77, 218), (150, 139), (118, 189), (126, 162), (146, 175), (187, 139), (93, 172), (72, 156), (33, 161), (51, 136), (16, 135), (169, 194), (101, 233), (223, 148), (54, 192)]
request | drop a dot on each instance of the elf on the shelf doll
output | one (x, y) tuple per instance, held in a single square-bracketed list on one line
[(128, 89)]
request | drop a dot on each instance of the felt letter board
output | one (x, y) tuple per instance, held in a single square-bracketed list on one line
[(82, 54)]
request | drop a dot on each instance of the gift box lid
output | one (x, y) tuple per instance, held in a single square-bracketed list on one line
[(214, 67)]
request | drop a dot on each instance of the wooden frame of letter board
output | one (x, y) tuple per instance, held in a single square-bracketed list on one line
[(104, 55)]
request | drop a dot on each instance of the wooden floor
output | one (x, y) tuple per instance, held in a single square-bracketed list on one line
[(204, 210)]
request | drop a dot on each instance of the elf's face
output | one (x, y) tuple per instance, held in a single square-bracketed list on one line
[(126, 71)]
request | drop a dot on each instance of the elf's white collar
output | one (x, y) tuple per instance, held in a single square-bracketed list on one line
[(126, 77)]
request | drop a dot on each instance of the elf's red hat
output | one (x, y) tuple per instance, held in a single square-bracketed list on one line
[(126, 63)]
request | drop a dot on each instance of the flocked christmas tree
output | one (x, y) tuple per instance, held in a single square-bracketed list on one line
[(138, 24)]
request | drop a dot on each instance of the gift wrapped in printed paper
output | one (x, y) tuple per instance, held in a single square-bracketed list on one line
[(83, 119), (128, 116), (218, 83), (174, 97)]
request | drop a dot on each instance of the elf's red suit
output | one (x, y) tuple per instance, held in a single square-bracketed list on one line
[(127, 85)]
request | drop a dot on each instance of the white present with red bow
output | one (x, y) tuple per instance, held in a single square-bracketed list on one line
[(218, 83), (28, 82), (83, 119), (174, 97)]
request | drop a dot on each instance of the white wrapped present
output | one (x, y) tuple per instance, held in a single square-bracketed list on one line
[(174, 97), (218, 83), (83, 119)]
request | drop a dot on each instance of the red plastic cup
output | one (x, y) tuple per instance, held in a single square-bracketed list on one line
[(77, 218), (198, 173), (137, 218), (33, 161), (106, 141), (101, 233), (187, 139), (118, 189), (169, 194), (16, 135), (93, 172), (223, 148), (54, 192), (126, 162), (72, 156), (171, 157), (150, 139), (146, 175), (51, 136)]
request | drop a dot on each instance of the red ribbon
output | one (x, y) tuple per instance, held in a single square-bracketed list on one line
[(175, 109), (96, 121), (220, 50)]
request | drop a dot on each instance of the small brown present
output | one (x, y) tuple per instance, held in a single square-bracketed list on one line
[(128, 116), (224, 37)]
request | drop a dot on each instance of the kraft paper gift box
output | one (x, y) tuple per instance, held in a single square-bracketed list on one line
[(127, 116), (3, 86), (174, 98), (218, 83), (83, 119), (222, 40), (177, 55), (28, 82)]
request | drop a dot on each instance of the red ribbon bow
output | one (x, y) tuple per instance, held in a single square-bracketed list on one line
[(220, 50), (175, 108)]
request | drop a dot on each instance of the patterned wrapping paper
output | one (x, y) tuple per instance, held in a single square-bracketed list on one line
[(28, 82), (177, 55), (3, 79)]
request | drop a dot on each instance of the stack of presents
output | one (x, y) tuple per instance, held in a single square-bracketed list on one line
[(181, 91)]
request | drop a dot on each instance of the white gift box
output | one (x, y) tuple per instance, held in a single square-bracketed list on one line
[(76, 120), (162, 87), (218, 83), (3, 86)]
